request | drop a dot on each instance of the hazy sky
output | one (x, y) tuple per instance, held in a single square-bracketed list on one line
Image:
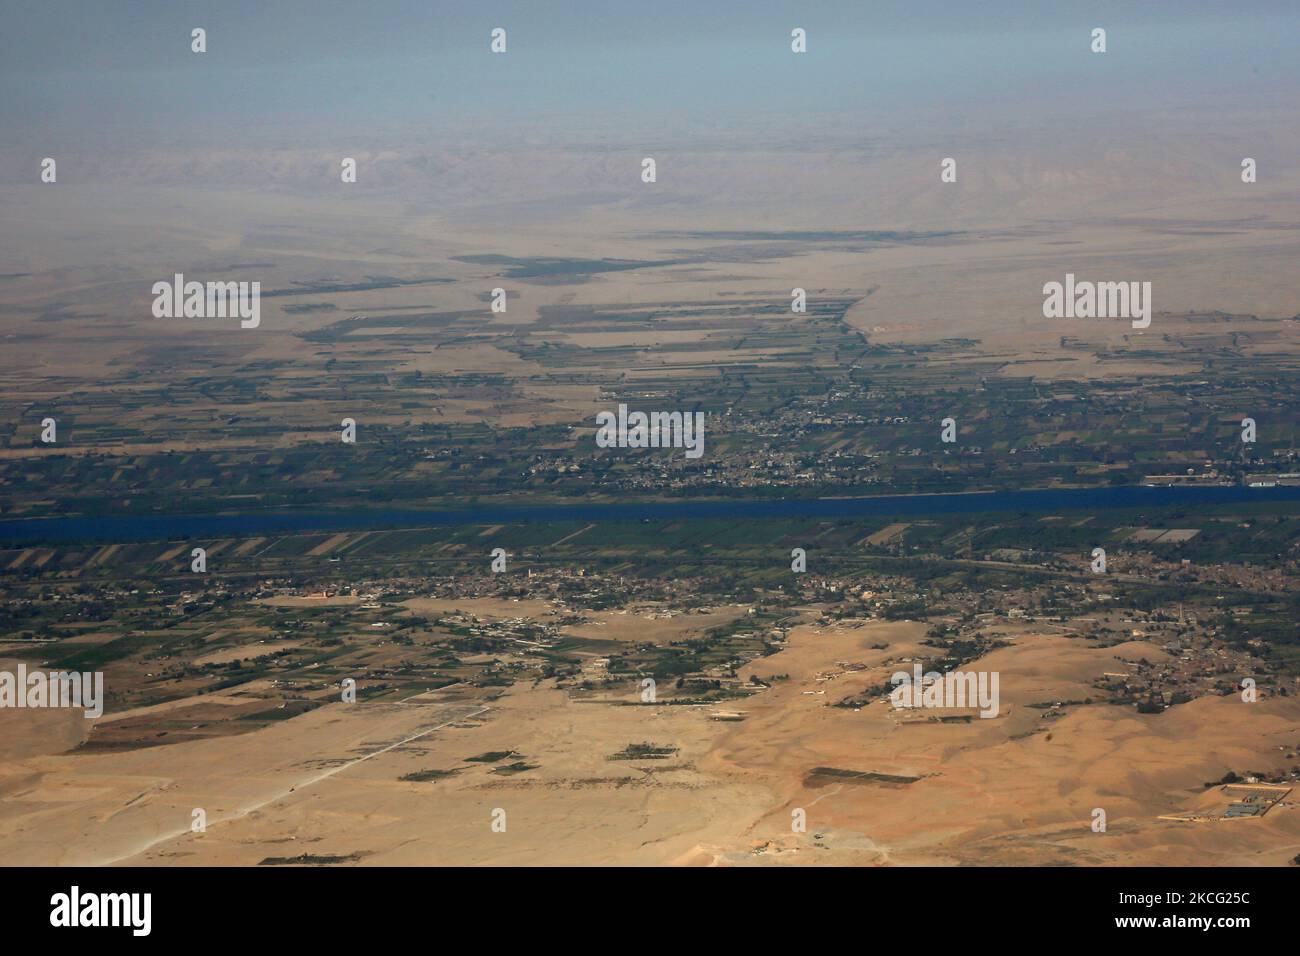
[(70, 69)]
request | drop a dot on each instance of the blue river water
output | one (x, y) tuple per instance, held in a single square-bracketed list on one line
[(127, 528)]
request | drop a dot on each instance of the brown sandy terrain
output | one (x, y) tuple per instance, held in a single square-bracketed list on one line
[(1030, 205), (1018, 789)]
